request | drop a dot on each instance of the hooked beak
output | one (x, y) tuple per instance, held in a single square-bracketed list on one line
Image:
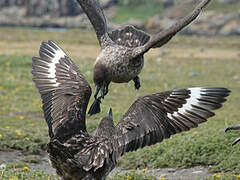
[(110, 113), (96, 91), (103, 89)]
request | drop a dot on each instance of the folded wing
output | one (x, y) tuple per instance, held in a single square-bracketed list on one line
[(158, 116), (64, 90)]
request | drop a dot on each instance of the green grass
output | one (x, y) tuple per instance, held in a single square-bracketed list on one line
[(22, 125), (224, 7), (20, 171), (135, 11)]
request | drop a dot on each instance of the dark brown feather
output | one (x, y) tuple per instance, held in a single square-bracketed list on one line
[(129, 36), (96, 16), (163, 37), (158, 116), (65, 92)]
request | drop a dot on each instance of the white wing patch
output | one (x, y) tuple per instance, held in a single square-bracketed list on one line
[(192, 100), (56, 55)]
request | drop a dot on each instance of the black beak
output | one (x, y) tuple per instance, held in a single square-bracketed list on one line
[(95, 107), (110, 113), (96, 91), (103, 89)]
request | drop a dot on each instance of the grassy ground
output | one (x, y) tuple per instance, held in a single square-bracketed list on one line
[(135, 10), (184, 62)]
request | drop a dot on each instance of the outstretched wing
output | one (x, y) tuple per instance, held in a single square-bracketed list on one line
[(64, 90), (163, 37), (158, 116), (96, 16)]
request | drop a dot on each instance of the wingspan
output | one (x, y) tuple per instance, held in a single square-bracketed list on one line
[(158, 116), (163, 37), (64, 90), (96, 16)]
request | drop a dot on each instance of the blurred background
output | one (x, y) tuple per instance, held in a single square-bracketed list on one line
[(222, 17)]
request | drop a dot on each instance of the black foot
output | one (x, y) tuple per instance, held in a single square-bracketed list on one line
[(95, 107), (136, 81)]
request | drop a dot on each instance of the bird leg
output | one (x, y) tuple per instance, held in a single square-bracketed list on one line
[(137, 84)]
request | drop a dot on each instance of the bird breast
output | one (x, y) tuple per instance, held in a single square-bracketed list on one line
[(120, 63)]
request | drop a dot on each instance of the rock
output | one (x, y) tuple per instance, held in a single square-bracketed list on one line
[(228, 1), (67, 14), (54, 7), (230, 28), (167, 3), (158, 23), (136, 22)]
